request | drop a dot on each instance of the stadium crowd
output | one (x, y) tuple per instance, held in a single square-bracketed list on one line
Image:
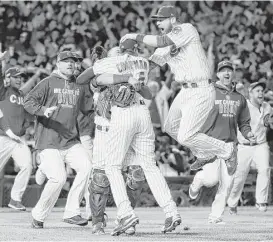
[(34, 32)]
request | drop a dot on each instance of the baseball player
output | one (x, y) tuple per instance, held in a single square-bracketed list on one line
[(11, 95), (256, 154), (179, 46), (56, 102), (131, 126), (230, 110), (99, 186), (85, 125)]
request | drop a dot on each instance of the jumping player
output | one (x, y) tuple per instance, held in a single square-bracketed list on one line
[(131, 126), (230, 110), (179, 46), (254, 154), (56, 102)]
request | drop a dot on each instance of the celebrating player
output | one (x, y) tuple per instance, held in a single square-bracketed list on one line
[(131, 126), (254, 154), (11, 95), (179, 46), (230, 110), (56, 102), (99, 185)]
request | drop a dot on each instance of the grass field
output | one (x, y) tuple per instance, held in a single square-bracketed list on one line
[(248, 225)]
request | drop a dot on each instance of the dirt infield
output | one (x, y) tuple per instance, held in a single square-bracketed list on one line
[(248, 225)]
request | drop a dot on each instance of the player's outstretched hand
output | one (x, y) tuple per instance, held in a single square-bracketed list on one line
[(128, 36), (49, 111), (14, 137), (251, 138)]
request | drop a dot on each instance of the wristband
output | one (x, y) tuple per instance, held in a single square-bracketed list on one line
[(140, 37)]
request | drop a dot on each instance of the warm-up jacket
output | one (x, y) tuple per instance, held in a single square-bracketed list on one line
[(229, 112), (11, 104), (60, 130)]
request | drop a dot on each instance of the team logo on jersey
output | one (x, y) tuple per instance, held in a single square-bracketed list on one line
[(177, 30), (174, 51)]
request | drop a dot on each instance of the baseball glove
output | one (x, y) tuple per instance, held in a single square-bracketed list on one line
[(97, 53), (123, 94)]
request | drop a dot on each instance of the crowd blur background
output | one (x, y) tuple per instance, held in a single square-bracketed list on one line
[(34, 32)]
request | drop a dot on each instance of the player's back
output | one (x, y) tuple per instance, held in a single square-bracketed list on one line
[(186, 58)]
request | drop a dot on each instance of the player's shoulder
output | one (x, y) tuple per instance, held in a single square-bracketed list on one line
[(182, 28)]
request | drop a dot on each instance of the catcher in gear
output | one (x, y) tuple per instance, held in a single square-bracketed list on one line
[(99, 185)]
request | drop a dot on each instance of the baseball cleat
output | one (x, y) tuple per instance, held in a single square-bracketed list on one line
[(16, 205), (198, 164), (232, 162), (98, 228), (233, 210), (40, 177), (37, 224), (217, 221), (131, 231), (124, 224), (77, 220), (171, 223), (261, 207)]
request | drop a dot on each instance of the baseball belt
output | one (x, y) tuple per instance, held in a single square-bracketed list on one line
[(102, 128), (251, 144), (194, 84)]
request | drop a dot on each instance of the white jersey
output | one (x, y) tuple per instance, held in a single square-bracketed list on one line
[(124, 64), (187, 58), (258, 122)]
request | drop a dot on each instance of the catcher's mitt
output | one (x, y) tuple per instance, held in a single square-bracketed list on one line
[(123, 94), (97, 53)]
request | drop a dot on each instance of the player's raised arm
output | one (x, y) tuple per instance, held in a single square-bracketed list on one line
[(3, 56), (86, 76), (172, 31), (110, 79)]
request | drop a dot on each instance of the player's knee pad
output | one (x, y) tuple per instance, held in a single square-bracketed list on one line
[(99, 188), (99, 182), (135, 177)]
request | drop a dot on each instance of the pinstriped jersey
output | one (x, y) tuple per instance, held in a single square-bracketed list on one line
[(186, 58), (124, 64)]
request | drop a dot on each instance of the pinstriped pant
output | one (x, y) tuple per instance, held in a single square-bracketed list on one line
[(133, 127), (187, 115)]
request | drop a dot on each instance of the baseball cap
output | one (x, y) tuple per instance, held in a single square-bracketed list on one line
[(255, 84), (165, 12), (65, 55), (223, 64), (14, 71), (128, 44)]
